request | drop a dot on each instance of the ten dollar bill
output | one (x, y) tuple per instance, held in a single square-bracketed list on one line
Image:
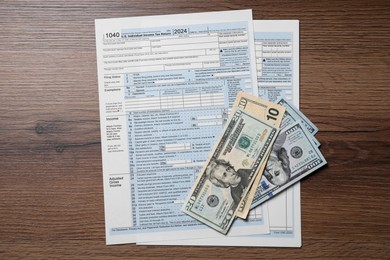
[(268, 112)]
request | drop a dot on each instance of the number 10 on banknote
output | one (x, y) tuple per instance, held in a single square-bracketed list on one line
[(230, 170)]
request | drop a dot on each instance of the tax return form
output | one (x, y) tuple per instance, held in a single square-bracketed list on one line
[(277, 59), (166, 84)]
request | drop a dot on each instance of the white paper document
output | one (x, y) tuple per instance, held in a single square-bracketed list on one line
[(166, 85), (285, 226), (277, 57)]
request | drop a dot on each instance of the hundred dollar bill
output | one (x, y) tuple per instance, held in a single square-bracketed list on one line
[(269, 112), (295, 115), (292, 115), (230, 170), (293, 156)]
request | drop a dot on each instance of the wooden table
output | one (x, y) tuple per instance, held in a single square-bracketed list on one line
[(51, 194)]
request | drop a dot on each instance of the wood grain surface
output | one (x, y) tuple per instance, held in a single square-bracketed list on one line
[(51, 192)]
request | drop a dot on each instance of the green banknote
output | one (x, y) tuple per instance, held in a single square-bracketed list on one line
[(230, 170), (293, 115), (293, 156)]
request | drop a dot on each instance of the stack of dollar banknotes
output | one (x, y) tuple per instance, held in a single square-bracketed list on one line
[(264, 148)]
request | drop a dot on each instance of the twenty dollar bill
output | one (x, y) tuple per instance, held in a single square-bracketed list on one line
[(230, 170)]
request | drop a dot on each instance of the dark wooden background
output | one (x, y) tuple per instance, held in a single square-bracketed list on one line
[(51, 194)]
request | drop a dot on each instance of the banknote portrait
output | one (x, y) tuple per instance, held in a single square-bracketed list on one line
[(278, 170), (223, 175)]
